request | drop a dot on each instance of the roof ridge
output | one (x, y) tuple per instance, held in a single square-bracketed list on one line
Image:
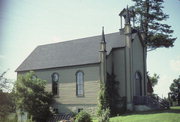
[(76, 39)]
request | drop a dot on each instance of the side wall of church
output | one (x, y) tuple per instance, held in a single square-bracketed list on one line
[(118, 57), (67, 100), (138, 63)]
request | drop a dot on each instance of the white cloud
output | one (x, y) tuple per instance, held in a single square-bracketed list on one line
[(175, 64), (162, 88)]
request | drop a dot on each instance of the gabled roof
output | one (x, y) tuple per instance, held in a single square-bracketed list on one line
[(70, 53)]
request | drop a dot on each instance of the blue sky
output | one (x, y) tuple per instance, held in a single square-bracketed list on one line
[(25, 24)]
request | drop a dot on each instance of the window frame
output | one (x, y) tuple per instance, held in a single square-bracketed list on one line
[(77, 88), (57, 83)]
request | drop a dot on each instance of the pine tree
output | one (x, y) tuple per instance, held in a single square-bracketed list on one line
[(149, 16)]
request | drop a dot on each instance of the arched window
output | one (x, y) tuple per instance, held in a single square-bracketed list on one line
[(138, 84), (55, 79), (79, 83)]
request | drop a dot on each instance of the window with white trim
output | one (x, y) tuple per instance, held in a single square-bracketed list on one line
[(79, 83), (55, 79)]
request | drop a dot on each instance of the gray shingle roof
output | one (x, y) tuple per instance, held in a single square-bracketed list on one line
[(70, 53)]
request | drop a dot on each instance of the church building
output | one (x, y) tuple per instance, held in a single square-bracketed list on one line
[(73, 69)]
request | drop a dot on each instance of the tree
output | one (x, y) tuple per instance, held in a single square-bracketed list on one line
[(175, 89), (4, 82), (149, 16), (154, 79), (7, 104), (31, 96)]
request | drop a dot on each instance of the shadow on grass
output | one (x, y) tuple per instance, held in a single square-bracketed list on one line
[(171, 110)]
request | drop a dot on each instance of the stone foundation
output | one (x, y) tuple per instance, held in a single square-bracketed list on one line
[(141, 108)]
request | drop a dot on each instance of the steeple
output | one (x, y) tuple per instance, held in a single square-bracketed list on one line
[(103, 41), (102, 55), (103, 37)]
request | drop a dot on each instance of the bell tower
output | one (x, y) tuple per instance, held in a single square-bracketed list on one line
[(127, 32)]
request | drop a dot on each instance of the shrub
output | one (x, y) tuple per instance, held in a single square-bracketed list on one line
[(83, 117), (104, 117), (32, 97), (102, 99), (9, 118)]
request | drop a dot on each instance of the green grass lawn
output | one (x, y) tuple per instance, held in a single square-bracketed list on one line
[(171, 115)]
